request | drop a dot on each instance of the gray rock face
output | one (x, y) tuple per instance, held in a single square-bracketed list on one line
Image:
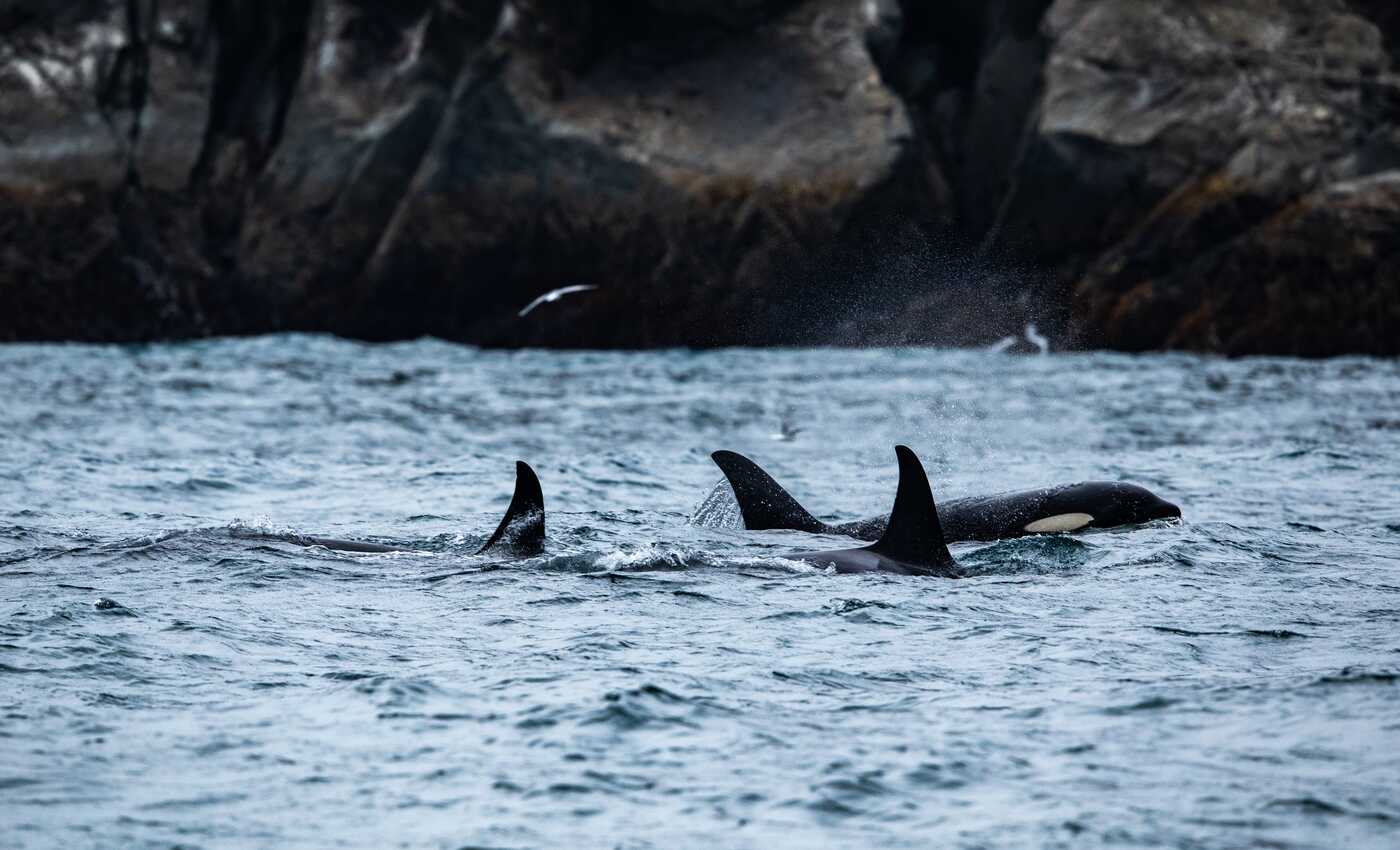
[(1136, 175), (1181, 129), (674, 177), (1187, 93)]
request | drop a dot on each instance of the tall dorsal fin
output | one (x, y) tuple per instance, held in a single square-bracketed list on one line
[(914, 535), (763, 501), (521, 531)]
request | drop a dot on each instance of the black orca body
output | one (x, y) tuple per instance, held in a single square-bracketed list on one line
[(1068, 507), (521, 532), (912, 542)]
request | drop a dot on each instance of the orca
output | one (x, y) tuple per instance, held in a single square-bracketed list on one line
[(1068, 507), (521, 532), (912, 542)]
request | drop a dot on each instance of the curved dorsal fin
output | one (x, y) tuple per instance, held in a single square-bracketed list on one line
[(763, 501), (914, 535), (521, 531)]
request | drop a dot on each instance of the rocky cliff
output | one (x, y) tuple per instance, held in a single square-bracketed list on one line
[(1198, 174)]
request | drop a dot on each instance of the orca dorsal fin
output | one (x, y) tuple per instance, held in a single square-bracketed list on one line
[(521, 531), (763, 501), (914, 535)]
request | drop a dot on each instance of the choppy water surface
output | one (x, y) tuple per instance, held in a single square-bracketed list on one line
[(1227, 682)]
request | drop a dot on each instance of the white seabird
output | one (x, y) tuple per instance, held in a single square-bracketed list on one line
[(554, 295)]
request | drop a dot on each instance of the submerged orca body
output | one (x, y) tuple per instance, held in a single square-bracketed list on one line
[(912, 542), (521, 532), (1068, 507)]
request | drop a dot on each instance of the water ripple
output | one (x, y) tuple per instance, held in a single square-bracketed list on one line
[(177, 676)]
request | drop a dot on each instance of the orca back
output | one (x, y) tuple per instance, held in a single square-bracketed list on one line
[(914, 535), (521, 531), (763, 501)]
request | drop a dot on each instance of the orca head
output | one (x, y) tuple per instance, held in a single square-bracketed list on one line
[(1112, 503)]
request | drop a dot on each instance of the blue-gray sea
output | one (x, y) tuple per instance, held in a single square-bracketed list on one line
[(172, 677)]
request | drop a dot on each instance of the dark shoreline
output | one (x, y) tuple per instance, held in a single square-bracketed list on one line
[(689, 349), (823, 172)]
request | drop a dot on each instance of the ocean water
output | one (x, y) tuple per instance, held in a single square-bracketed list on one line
[(171, 676)]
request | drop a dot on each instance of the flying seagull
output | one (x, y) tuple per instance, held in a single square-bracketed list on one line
[(1037, 339), (787, 428), (1019, 345), (555, 295)]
